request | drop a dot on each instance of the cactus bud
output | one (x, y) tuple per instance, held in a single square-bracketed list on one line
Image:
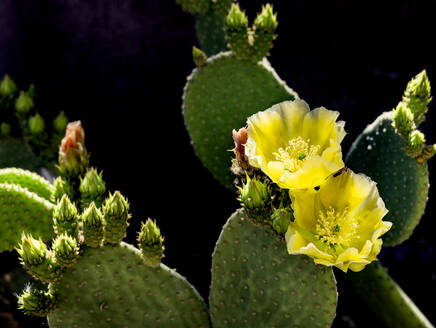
[(236, 19), (240, 162), (267, 20), (415, 143), (36, 302), (116, 216), (417, 96), (66, 250), (62, 187), (281, 218), (24, 103), (198, 56), (37, 259), (254, 194), (403, 120), (66, 218), (7, 86), (150, 242), (429, 151), (60, 122), (5, 129), (92, 188), (36, 124), (73, 157), (92, 226)]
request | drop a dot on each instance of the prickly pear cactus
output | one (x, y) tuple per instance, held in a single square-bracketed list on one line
[(111, 285), (22, 210), (95, 279), (255, 283), (402, 180)]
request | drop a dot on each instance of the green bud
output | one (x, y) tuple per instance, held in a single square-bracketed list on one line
[(116, 216), (92, 188), (5, 129), (236, 19), (266, 20), (417, 96), (36, 302), (66, 218), (403, 120), (150, 241), (7, 86), (415, 143), (92, 220), (60, 122), (62, 187), (36, 124), (198, 56), (254, 194), (281, 218), (66, 250), (24, 103), (429, 151), (37, 259), (32, 251)]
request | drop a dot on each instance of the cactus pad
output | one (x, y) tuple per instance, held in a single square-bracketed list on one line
[(22, 210), (401, 180), (219, 97), (29, 180), (112, 286), (15, 153), (210, 32), (256, 283)]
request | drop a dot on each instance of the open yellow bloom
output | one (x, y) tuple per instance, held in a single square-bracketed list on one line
[(297, 148), (340, 224)]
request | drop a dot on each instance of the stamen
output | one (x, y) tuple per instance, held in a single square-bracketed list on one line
[(298, 151), (336, 228)]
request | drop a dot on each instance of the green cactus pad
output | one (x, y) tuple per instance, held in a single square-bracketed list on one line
[(219, 97), (401, 180), (111, 286), (29, 180), (210, 32), (22, 210), (256, 283), (15, 153)]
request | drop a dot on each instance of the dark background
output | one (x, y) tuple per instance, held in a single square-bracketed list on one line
[(120, 67)]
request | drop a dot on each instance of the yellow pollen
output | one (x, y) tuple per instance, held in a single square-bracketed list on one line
[(294, 156), (336, 228)]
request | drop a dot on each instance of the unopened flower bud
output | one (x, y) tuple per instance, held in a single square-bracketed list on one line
[(92, 220), (236, 19), (254, 194), (281, 218), (73, 157), (150, 242), (36, 124), (66, 250), (415, 143), (429, 151), (62, 187), (403, 120), (24, 103), (32, 251), (60, 122), (92, 188), (116, 216), (198, 56), (36, 302), (417, 96), (7, 86), (66, 218), (5, 129), (267, 20)]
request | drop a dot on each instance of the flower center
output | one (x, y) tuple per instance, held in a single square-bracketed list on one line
[(336, 228), (294, 156)]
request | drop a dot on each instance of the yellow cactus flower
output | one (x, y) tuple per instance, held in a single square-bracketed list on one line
[(340, 224), (297, 148)]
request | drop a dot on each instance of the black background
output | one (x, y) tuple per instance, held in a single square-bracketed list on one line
[(120, 67)]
